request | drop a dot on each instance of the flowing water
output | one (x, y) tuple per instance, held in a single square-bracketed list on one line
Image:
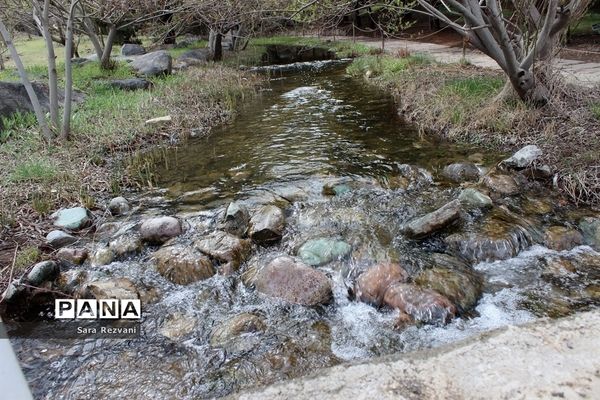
[(306, 132)]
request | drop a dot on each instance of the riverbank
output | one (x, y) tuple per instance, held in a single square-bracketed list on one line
[(459, 102), (544, 359)]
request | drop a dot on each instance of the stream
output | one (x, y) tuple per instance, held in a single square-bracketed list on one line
[(331, 152)]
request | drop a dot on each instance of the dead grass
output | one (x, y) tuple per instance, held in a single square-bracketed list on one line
[(458, 101)]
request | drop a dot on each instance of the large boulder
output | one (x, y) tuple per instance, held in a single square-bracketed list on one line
[(132, 49), (57, 239), (14, 99), (160, 229), (195, 56), (130, 84), (590, 227), (153, 64), (293, 281), (434, 221), (72, 218), (419, 304), (183, 265), (524, 157), (225, 248), (370, 287), (323, 250), (461, 172), (267, 225)]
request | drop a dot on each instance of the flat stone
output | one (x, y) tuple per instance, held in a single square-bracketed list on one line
[(267, 225), (461, 172), (562, 238), (472, 198), (524, 157), (291, 280), (131, 84), (590, 227), (43, 272), (72, 255), (224, 247), (434, 221), (72, 218), (58, 239), (501, 184), (183, 265), (112, 288), (132, 49), (323, 250)]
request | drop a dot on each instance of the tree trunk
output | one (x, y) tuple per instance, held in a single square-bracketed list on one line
[(35, 102), (52, 74), (66, 122), (215, 44), (105, 61)]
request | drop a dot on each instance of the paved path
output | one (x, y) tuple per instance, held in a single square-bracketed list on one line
[(548, 359), (578, 72)]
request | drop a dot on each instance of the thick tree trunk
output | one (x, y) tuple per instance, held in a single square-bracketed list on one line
[(215, 45), (35, 102)]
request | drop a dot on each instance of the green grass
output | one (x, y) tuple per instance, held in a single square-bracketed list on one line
[(34, 171), (473, 88), (584, 25), (595, 109), (386, 66)]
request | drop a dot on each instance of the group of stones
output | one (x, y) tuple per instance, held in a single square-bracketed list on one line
[(435, 295), (156, 63)]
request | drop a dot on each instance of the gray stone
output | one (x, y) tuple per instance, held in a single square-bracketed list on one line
[(72, 255), (501, 184), (177, 325), (291, 280), (235, 326), (130, 84), (153, 64), (72, 218), (472, 198), (524, 157), (183, 265), (237, 219), (58, 239), (118, 206), (323, 250), (562, 238), (111, 288), (131, 49), (590, 227), (461, 172), (550, 358), (160, 229), (126, 244), (417, 177), (434, 221), (267, 225), (201, 55), (225, 248), (44, 271), (103, 255)]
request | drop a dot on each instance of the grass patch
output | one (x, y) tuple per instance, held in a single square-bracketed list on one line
[(595, 110), (584, 25), (25, 257), (386, 66), (33, 171)]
